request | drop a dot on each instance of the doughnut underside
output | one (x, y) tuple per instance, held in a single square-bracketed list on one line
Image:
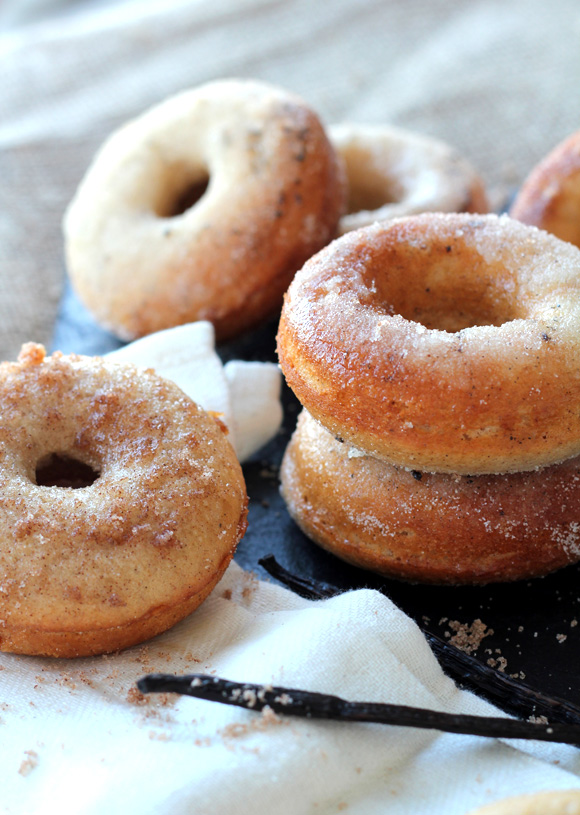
[(100, 567), (143, 260), (550, 197), (101, 640), (442, 529), (441, 343)]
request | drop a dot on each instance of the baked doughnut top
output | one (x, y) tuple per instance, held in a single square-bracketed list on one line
[(121, 504), (441, 342), (203, 208)]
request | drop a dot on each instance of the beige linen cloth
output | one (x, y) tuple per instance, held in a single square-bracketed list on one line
[(499, 81)]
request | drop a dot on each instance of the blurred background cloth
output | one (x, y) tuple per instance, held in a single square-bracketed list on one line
[(498, 81)]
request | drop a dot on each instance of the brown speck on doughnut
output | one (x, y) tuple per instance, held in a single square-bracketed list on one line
[(377, 335), (91, 564), (227, 159)]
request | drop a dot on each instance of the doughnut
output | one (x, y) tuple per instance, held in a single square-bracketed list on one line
[(430, 528), (393, 172), (550, 196), (121, 504), (441, 343), (202, 208), (547, 802)]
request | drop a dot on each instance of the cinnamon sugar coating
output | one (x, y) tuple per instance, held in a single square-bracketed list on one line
[(143, 254), (441, 343), (550, 196), (393, 172), (101, 567), (431, 528)]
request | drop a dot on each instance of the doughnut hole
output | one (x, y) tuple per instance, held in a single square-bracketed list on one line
[(448, 288), (182, 189), (62, 470), (370, 188), (562, 212)]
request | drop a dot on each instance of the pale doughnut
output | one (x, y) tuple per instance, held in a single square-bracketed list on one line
[(392, 172), (550, 196), (547, 802), (116, 561), (431, 528), (441, 343), (143, 255)]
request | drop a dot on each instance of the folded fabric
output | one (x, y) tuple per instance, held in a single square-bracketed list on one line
[(77, 737), (246, 395)]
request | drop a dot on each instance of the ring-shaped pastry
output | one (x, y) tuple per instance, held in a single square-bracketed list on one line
[(392, 172), (121, 505), (203, 208), (441, 343), (430, 528)]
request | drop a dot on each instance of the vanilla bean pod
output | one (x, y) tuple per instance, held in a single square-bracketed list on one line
[(511, 694), (294, 702)]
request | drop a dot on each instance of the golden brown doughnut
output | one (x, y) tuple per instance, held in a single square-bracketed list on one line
[(432, 528), (550, 196), (441, 343), (547, 802), (143, 254), (393, 172), (159, 509)]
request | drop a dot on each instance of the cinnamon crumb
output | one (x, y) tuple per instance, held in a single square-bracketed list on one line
[(500, 663), (257, 724), (32, 353), (467, 637), (159, 736), (29, 763), (135, 697)]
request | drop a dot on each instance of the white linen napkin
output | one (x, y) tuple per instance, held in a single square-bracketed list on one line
[(77, 738), (245, 394)]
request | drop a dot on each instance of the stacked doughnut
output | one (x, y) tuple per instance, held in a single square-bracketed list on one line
[(437, 359)]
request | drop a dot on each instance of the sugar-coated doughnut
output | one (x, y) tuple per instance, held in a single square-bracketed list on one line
[(392, 172), (546, 802), (550, 196), (121, 504), (441, 343), (431, 528), (203, 208)]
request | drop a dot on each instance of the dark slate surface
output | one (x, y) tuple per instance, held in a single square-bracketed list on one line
[(533, 622)]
